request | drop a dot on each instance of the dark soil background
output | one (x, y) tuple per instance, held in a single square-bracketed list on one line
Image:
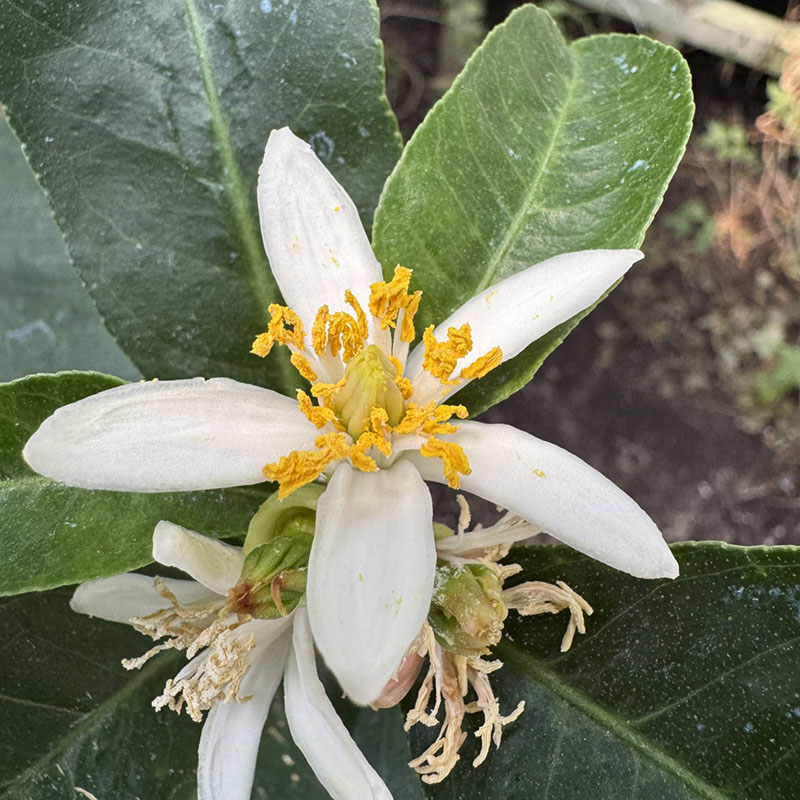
[(644, 389)]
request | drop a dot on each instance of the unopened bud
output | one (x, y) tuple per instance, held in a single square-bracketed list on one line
[(369, 383), (467, 609), (296, 514)]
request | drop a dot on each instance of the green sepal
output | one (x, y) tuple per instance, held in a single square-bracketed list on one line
[(278, 567), (295, 514), (467, 609)]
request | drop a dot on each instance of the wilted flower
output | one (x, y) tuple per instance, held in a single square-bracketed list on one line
[(237, 662)]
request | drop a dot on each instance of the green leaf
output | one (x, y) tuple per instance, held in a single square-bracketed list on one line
[(52, 534), (539, 148), (71, 716), (679, 689), (58, 327), (146, 124)]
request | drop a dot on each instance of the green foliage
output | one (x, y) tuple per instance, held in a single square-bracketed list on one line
[(784, 104), (146, 123), (728, 142), (47, 321), (51, 534), (780, 378), (679, 689), (539, 148), (694, 221)]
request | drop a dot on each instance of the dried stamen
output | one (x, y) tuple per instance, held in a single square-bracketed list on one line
[(537, 597)]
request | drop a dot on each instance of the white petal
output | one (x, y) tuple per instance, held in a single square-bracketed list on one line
[(525, 306), (370, 574), (123, 597), (169, 436), (316, 245), (561, 494), (214, 564), (232, 731), (317, 730)]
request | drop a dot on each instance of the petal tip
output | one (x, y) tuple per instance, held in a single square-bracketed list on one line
[(671, 568), (282, 142)]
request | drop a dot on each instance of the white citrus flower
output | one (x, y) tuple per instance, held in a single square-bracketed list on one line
[(377, 428), (235, 668)]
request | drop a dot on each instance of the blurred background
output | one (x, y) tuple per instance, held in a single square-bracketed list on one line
[(684, 385)]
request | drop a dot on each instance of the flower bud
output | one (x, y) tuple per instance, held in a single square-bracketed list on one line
[(369, 383), (296, 514), (467, 609)]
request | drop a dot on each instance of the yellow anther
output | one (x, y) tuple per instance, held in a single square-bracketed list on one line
[(326, 390), (319, 330), (454, 459), (303, 466), (300, 363), (280, 317), (407, 332), (344, 333), (359, 459), (405, 386), (441, 357), (438, 422), (262, 345), (358, 456), (415, 417), (319, 415), (361, 317), (379, 423), (484, 364), (387, 299)]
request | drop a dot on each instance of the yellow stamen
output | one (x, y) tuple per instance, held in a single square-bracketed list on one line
[(326, 390), (277, 331), (358, 455), (319, 330), (441, 357), (407, 332), (344, 333), (404, 385), (281, 316), (387, 299), (371, 402), (437, 424), (361, 317), (319, 415), (303, 466), (300, 363), (262, 345), (484, 364), (454, 460), (379, 423)]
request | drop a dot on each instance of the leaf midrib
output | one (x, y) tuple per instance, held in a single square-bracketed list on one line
[(528, 202), (261, 280), (535, 670), (86, 724)]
